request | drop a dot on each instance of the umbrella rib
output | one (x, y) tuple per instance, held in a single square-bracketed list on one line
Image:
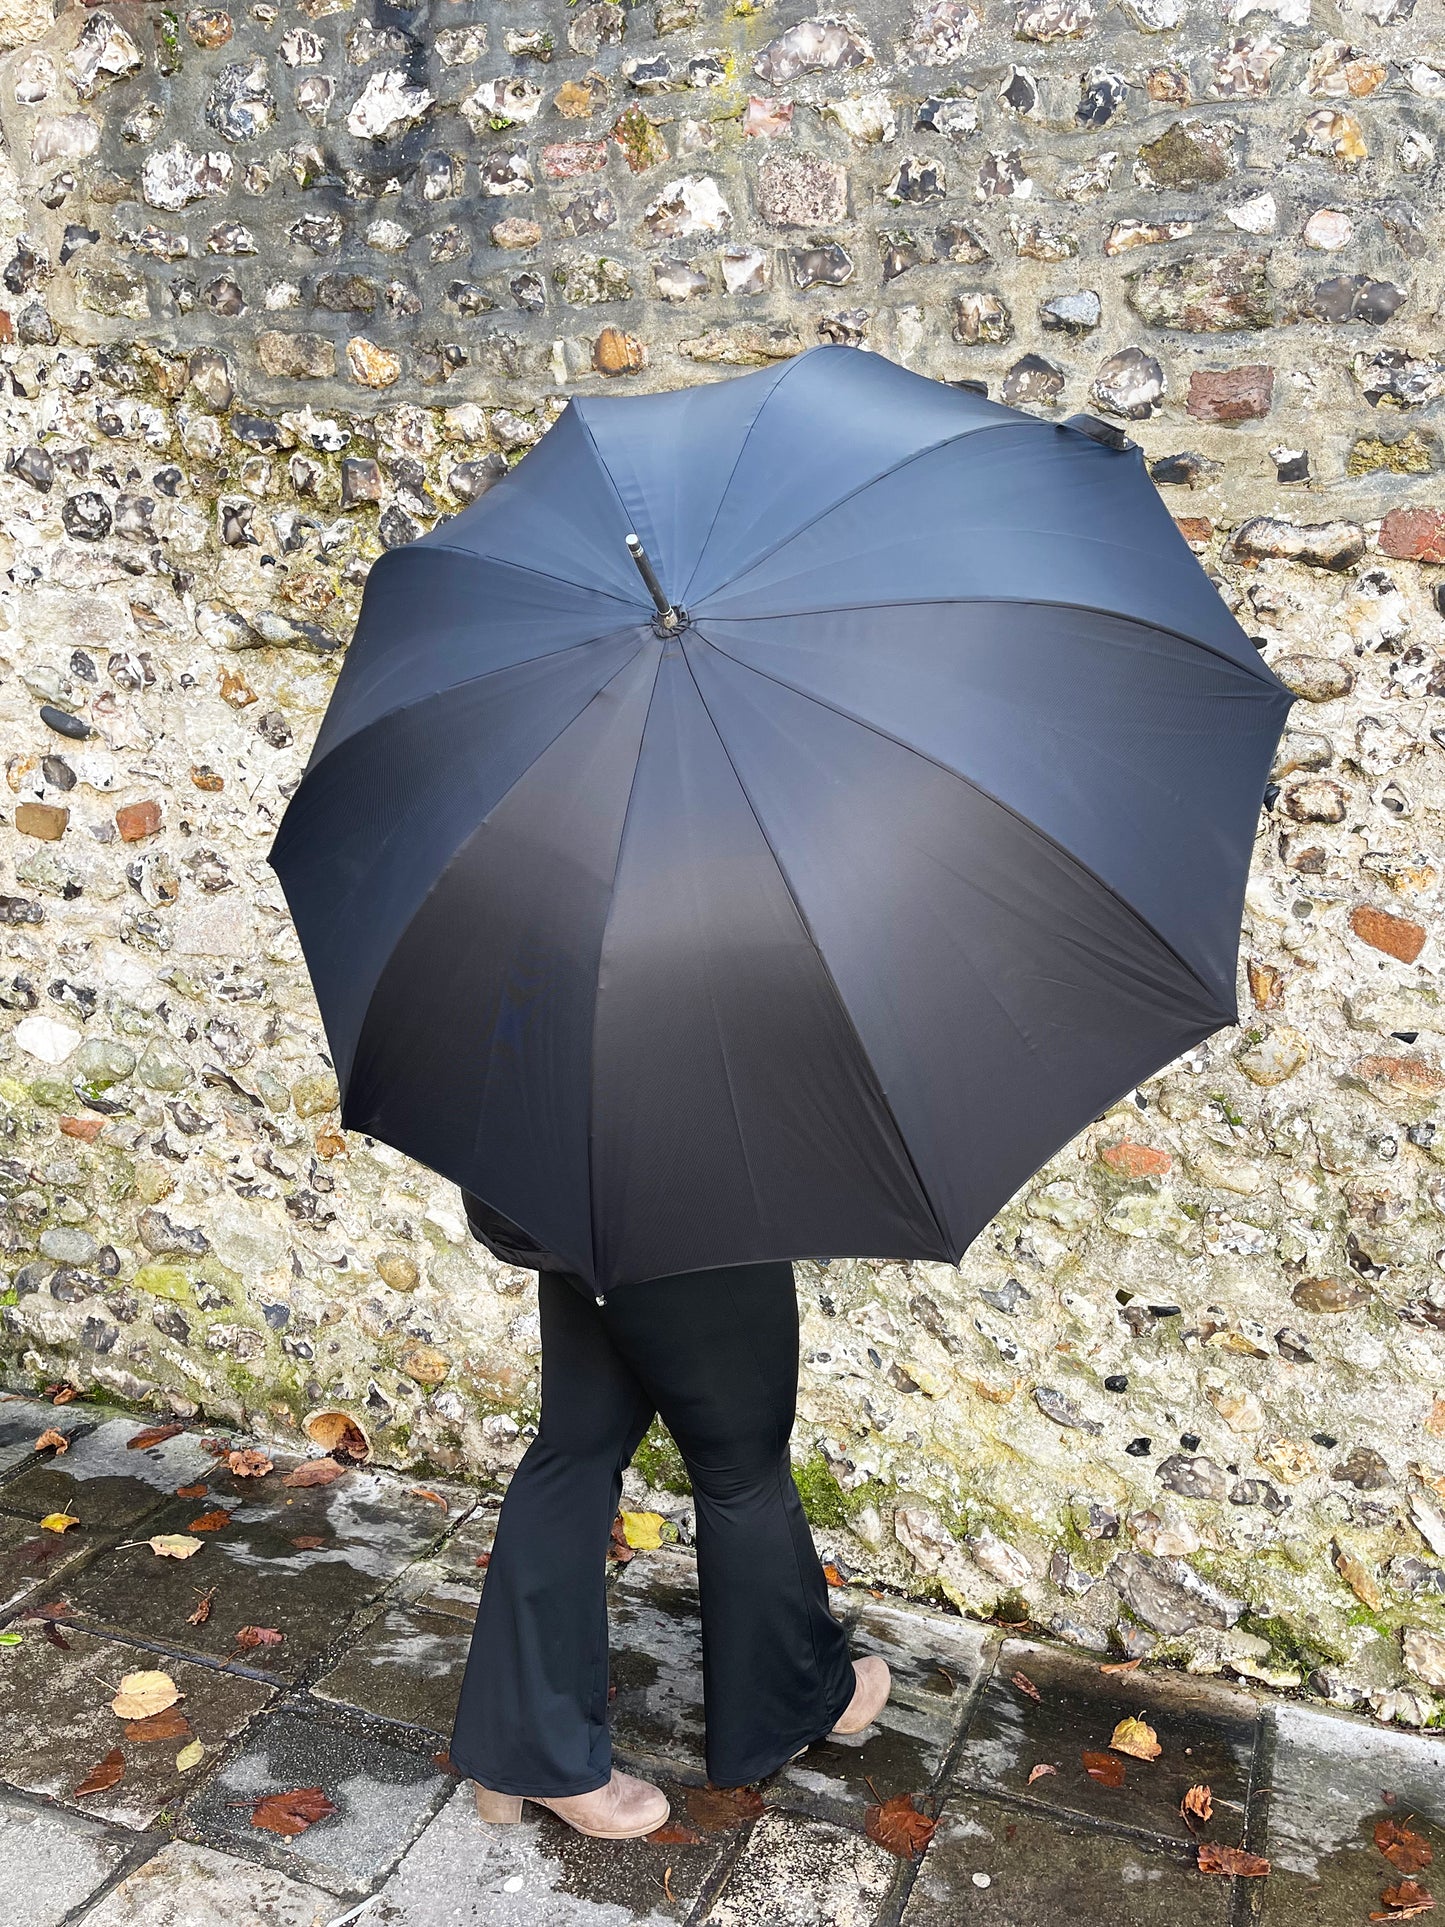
[(467, 682), (601, 948), (1267, 681), (945, 1244), (505, 562), (962, 776), (1028, 422)]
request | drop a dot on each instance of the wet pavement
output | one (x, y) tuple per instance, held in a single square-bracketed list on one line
[(316, 1634)]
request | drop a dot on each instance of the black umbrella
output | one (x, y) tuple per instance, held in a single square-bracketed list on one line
[(810, 910)]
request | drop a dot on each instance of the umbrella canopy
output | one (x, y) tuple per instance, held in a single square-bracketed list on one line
[(808, 920)]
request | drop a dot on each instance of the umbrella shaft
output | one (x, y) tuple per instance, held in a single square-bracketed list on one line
[(649, 576)]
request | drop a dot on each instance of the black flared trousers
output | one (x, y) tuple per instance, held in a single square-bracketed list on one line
[(716, 1355)]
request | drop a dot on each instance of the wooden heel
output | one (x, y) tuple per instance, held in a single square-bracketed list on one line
[(501, 1809)]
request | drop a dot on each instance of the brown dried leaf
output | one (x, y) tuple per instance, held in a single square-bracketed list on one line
[(247, 1463), (308, 1541), (1106, 1768), (674, 1834), (291, 1813), (1025, 1685), (141, 1694), (482, 1561), (1407, 1851), (313, 1472), (1120, 1665), (1231, 1860), (899, 1826), (51, 1438), (715, 1809), (833, 1576), (432, 1498), (253, 1636), (202, 1613), (172, 1724), (1405, 1902), (103, 1777), (1038, 1772), (1198, 1802), (444, 1764), (1137, 1739), (152, 1435), (192, 1491), (173, 1545), (210, 1522)]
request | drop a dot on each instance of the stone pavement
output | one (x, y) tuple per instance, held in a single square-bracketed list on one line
[(371, 1581)]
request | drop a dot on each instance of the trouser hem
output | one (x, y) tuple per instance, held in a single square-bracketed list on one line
[(515, 1789), (785, 1749)]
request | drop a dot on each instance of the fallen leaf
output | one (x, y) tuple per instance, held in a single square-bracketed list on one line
[(1407, 1851), (141, 1694), (642, 1530), (210, 1522), (1038, 1772), (51, 1438), (1199, 1802), (152, 1435), (171, 1724), (899, 1826), (291, 1813), (12, 1639), (1025, 1685), (833, 1576), (1231, 1860), (308, 1542), (65, 1394), (1405, 1901), (190, 1756), (58, 1522), (482, 1561), (53, 1633), (714, 1809), (247, 1463), (1120, 1666), (203, 1608), (674, 1834), (444, 1764), (173, 1545), (252, 1636), (432, 1498), (1136, 1739), (192, 1491), (103, 1777), (617, 1546), (314, 1472), (1106, 1768)]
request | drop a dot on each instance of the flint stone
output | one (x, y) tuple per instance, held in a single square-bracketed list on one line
[(1355, 297), (1322, 545), (1190, 154), (1232, 394), (1192, 1478), (176, 176), (1170, 1596), (981, 316), (1129, 384), (1031, 380), (748, 344), (1074, 314), (1204, 293), (300, 357), (821, 45)]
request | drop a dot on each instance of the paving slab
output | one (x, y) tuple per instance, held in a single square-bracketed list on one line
[(1067, 1706), (189, 1886), (22, 1420), (106, 1485), (463, 1873), (798, 1872), (655, 1644), (991, 1865), (35, 1564), (383, 1797), (50, 1862), (56, 1722), (406, 1667), (449, 1580), (938, 1663), (1329, 1779), (357, 1534)]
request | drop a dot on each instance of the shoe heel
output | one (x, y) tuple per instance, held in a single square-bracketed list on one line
[(501, 1809)]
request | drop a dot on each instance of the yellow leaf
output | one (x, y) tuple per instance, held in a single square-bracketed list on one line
[(190, 1756), (142, 1694), (175, 1545), (1136, 1739), (58, 1522), (643, 1530)]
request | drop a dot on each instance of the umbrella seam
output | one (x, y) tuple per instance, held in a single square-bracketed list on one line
[(1029, 422), (601, 952), (978, 788), (467, 682), (1268, 680), (828, 977), (505, 562)]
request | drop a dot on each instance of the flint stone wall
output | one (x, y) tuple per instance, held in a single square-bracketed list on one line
[(286, 284)]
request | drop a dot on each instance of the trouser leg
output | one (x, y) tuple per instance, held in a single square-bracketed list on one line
[(718, 1355), (532, 1718)]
